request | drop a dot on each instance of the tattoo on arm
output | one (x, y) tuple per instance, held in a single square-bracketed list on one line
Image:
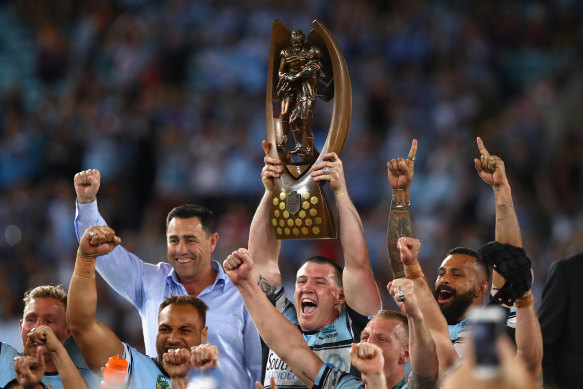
[(399, 225), (416, 381), (266, 285)]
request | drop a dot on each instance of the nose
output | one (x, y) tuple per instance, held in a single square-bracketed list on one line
[(173, 337), (180, 247), (445, 279)]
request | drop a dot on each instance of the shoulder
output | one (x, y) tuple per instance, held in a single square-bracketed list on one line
[(330, 377), (354, 319), (8, 350)]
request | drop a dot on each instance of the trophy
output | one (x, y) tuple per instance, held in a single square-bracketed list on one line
[(302, 69)]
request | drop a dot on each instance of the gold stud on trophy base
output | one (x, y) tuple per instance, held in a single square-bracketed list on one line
[(300, 70), (299, 212)]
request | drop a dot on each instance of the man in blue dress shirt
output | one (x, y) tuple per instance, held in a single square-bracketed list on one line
[(191, 240)]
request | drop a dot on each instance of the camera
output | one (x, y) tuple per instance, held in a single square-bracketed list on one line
[(488, 324)]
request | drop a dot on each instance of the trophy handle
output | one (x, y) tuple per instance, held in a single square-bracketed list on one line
[(342, 108)]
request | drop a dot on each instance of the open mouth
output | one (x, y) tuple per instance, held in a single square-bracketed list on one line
[(445, 294), (183, 260), (308, 306)]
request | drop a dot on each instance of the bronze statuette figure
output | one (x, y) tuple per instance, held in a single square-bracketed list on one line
[(300, 70)]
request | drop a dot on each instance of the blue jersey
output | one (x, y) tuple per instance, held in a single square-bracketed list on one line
[(143, 371), (331, 378), (50, 380), (7, 355), (332, 343), (457, 333)]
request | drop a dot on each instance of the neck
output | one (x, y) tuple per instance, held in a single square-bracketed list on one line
[(394, 379), (194, 285)]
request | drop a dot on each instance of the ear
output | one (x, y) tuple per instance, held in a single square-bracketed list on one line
[(67, 334), (340, 297), (404, 357), (203, 335), (20, 326), (482, 289), (214, 238)]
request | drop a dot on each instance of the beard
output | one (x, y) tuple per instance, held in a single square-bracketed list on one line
[(458, 305)]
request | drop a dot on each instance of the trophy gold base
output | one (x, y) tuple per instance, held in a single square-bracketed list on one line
[(299, 210)]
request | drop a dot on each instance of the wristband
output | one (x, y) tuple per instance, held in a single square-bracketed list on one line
[(414, 271)]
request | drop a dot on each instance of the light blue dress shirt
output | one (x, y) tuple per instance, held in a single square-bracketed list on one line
[(146, 285)]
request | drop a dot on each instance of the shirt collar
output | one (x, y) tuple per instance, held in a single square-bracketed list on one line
[(220, 281)]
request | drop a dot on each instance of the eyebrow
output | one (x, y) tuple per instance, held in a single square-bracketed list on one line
[(189, 236), (450, 268)]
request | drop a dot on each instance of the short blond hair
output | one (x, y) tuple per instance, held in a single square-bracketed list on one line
[(46, 291), (389, 314)]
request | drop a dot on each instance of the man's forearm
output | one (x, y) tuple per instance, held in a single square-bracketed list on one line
[(70, 375), (399, 226), (264, 246), (376, 381), (422, 349), (529, 341), (271, 324), (507, 227), (436, 325), (179, 382), (82, 299)]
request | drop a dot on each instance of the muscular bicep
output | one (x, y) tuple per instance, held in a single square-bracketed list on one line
[(97, 343), (361, 290)]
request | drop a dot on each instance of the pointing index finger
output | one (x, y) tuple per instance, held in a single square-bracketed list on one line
[(481, 146), (413, 151)]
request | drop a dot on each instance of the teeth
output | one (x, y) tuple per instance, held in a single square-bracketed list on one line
[(185, 260), (308, 301)]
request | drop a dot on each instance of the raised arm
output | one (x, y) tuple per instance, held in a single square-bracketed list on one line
[(528, 334), (270, 323), (422, 351), (263, 244), (360, 287), (122, 270), (491, 170), (70, 375), (400, 175), (434, 319), (96, 341)]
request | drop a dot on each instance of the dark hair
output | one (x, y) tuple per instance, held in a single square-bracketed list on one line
[(188, 211), (197, 303), (473, 253), (325, 261)]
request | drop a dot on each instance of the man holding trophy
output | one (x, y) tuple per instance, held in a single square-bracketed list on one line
[(331, 305)]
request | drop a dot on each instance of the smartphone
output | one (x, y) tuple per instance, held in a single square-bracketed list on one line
[(487, 325)]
